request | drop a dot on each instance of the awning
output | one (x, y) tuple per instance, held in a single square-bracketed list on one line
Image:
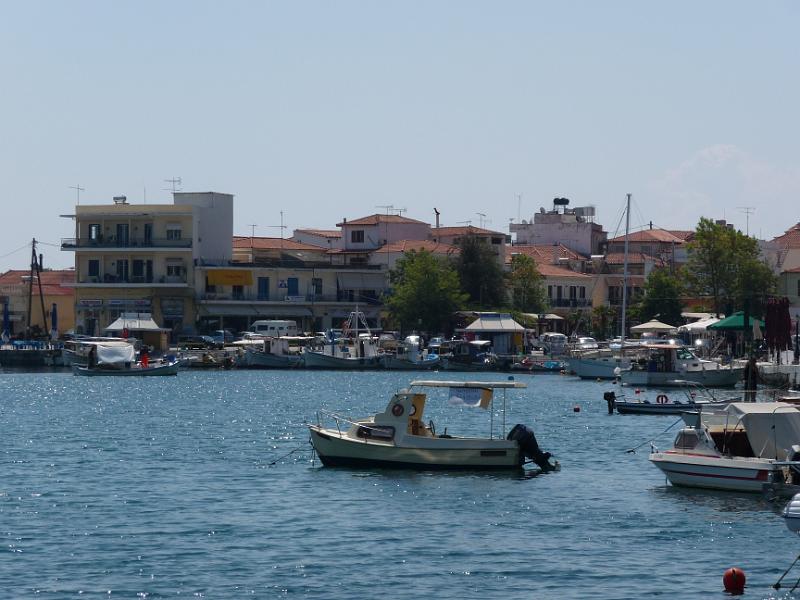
[(135, 322), (229, 277), (500, 323), (361, 281)]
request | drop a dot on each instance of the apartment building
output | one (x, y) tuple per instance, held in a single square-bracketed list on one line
[(142, 257)]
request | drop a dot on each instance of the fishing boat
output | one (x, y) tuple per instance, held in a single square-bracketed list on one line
[(398, 437), (119, 360), (475, 355), (352, 350), (408, 357), (275, 353), (693, 398), (742, 448), (669, 365)]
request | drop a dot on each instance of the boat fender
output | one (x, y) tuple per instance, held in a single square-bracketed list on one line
[(662, 399), (398, 410)]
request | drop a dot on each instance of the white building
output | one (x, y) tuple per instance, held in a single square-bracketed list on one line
[(573, 227)]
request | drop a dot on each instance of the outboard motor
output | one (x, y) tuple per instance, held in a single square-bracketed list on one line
[(529, 447), (611, 398)]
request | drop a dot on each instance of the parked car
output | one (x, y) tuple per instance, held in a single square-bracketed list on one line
[(222, 337), (586, 343), (195, 342)]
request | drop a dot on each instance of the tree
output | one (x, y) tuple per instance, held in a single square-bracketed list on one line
[(662, 297), (525, 285), (481, 275), (425, 292), (725, 265)]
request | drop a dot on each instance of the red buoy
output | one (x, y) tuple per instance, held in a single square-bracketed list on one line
[(734, 580), (638, 391), (576, 408)]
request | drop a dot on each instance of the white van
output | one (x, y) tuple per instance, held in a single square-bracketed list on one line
[(274, 328)]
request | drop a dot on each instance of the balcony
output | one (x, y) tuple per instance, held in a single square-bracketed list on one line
[(109, 243), (113, 280), (569, 302), (308, 298)]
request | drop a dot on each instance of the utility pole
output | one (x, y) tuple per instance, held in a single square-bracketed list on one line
[(175, 184), (78, 189), (747, 210)]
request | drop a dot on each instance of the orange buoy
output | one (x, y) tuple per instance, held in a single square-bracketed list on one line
[(734, 580), (576, 408)]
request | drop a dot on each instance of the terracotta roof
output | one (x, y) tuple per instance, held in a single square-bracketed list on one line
[(54, 283), (555, 271), (409, 245), (794, 270), (468, 230), (632, 280), (327, 233), (377, 219), (654, 235), (270, 243), (790, 239), (543, 253)]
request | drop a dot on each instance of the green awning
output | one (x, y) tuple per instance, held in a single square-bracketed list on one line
[(735, 323)]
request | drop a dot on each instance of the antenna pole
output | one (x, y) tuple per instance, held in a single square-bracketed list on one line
[(625, 268), (175, 184), (78, 189), (747, 210)]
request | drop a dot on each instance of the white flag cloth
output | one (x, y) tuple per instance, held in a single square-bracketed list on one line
[(470, 397)]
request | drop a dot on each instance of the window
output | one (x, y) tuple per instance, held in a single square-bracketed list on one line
[(238, 292), (176, 271), (316, 286), (798, 287), (263, 288), (573, 292), (173, 231), (95, 233), (94, 268), (549, 291), (122, 270), (582, 293), (357, 236), (138, 268)]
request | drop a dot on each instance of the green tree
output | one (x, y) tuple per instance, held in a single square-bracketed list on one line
[(480, 273), (724, 264), (425, 292), (662, 297), (525, 285), (604, 322)]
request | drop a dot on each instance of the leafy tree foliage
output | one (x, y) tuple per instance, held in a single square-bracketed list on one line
[(525, 285), (662, 297), (604, 322), (725, 265), (481, 275), (425, 292)]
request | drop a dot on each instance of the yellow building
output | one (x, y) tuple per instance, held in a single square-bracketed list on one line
[(16, 289), (141, 258)]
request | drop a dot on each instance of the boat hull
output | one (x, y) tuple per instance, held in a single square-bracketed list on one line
[(263, 360), (722, 377), (335, 449), (597, 368), (715, 473), (161, 370), (318, 360), (671, 408), (401, 364)]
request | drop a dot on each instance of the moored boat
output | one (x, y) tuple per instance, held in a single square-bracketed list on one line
[(398, 437), (668, 365)]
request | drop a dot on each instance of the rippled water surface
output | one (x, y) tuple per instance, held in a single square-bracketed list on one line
[(166, 487)]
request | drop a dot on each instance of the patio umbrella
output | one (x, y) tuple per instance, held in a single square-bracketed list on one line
[(6, 323), (734, 323), (54, 322), (653, 326)]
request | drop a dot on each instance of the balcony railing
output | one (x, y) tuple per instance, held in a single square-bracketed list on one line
[(112, 278), (342, 297), (110, 242), (570, 303)]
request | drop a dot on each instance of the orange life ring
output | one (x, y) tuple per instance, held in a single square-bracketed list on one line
[(662, 399), (397, 410)]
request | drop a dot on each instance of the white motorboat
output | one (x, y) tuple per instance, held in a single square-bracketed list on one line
[(602, 363), (666, 365), (741, 448), (399, 438), (118, 359), (408, 357), (275, 353), (791, 514), (693, 397)]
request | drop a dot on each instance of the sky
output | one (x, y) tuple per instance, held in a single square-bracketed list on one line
[(326, 110)]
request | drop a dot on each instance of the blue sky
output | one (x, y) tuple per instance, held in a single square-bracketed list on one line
[(326, 110)]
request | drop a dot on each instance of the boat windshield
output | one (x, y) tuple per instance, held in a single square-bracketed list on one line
[(685, 354)]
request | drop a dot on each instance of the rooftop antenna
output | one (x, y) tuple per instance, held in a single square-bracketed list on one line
[(78, 189), (175, 182), (519, 208), (482, 218), (468, 222), (281, 227), (400, 211), (252, 227), (386, 207), (747, 210)]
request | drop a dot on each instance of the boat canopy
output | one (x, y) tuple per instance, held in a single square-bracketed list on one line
[(772, 427), (469, 384), (115, 353)]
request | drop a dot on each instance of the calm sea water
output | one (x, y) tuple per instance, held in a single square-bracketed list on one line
[(166, 487)]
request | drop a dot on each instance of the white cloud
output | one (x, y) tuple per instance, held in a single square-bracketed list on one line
[(719, 180)]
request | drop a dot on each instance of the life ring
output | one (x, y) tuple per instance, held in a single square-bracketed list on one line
[(413, 411), (662, 399), (398, 410)]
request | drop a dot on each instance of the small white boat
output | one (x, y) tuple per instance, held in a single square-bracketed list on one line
[(693, 397), (408, 357), (398, 437), (135, 370), (791, 514), (741, 448), (351, 351), (275, 353), (114, 359)]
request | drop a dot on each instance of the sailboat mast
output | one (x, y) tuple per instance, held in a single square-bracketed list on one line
[(625, 268)]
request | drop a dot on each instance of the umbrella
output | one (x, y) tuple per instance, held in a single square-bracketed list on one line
[(54, 321), (653, 326), (734, 323), (6, 323)]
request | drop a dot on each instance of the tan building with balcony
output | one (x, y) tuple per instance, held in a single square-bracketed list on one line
[(142, 258)]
